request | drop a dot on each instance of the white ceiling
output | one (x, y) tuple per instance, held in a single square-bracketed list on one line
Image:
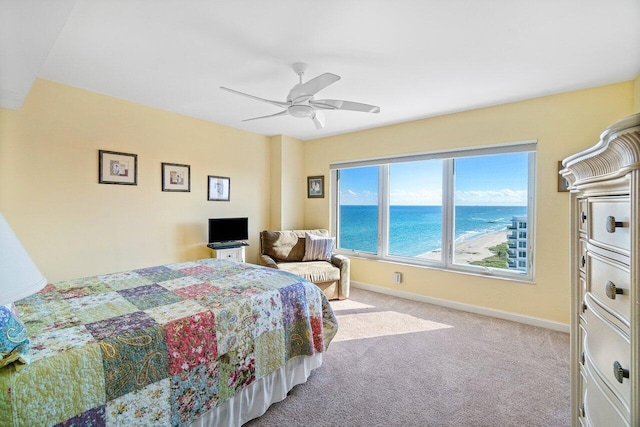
[(413, 58)]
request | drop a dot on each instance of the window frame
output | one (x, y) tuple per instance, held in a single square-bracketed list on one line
[(448, 208)]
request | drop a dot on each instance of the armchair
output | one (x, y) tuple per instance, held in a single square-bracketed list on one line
[(285, 250)]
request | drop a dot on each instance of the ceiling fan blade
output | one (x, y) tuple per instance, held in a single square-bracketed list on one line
[(281, 113), (312, 87), (318, 119), (336, 104), (268, 101)]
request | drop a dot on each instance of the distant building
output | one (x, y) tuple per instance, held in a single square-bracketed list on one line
[(517, 243)]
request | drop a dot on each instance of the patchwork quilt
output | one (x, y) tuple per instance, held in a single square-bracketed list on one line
[(158, 346)]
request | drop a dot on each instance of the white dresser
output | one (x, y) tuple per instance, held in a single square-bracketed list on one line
[(605, 251)]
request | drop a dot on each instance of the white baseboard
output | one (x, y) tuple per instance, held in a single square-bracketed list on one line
[(505, 315)]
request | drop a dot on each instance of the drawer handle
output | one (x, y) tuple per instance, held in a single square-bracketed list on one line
[(619, 372), (583, 261), (582, 358), (584, 306), (612, 224), (612, 290), (583, 217)]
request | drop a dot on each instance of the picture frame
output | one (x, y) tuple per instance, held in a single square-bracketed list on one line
[(563, 184), (315, 187), (117, 168), (176, 177), (219, 188)]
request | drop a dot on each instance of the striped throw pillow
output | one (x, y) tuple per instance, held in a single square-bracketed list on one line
[(317, 248)]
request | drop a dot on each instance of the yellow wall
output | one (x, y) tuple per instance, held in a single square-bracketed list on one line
[(74, 227), (287, 183), (562, 124), (637, 94), (275, 183)]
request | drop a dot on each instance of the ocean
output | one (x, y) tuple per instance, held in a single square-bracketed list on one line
[(415, 230)]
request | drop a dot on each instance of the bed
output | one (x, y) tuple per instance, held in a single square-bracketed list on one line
[(202, 343)]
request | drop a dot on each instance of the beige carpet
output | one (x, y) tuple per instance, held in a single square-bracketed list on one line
[(396, 362)]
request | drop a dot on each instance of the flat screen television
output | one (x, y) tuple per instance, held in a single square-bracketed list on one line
[(226, 230)]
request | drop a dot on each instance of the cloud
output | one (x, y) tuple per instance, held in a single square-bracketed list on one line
[(350, 197), (419, 197), (504, 197)]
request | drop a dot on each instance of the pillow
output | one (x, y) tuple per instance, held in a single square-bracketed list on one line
[(13, 337), (317, 248)]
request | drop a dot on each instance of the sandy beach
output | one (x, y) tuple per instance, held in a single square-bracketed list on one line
[(475, 249)]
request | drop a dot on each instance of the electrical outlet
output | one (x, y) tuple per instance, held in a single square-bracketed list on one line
[(397, 277)]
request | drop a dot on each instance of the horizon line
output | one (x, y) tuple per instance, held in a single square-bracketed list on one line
[(493, 206)]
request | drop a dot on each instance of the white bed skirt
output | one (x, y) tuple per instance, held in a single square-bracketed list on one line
[(254, 400)]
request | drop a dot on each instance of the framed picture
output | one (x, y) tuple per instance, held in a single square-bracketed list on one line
[(117, 168), (315, 187), (219, 188), (176, 177), (563, 184)]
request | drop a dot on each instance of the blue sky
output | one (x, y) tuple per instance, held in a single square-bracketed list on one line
[(497, 180)]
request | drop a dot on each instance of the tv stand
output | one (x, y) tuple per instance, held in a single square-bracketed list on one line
[(228, 250), (227, 245)]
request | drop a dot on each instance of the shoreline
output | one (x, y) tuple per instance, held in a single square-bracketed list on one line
[(475, 249)]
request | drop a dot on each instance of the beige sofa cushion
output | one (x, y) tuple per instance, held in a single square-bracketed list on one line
[(313, 271), (287, 245)]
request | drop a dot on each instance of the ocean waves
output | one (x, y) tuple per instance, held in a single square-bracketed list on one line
[(415, 230)]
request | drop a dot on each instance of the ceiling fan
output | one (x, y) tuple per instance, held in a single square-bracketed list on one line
[(301, 103)]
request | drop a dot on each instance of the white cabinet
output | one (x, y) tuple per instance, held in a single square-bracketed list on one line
[(605, 257), (234, 254)]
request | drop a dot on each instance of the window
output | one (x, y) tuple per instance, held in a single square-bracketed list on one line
[(461, 210), (359, 209), (415, 207)]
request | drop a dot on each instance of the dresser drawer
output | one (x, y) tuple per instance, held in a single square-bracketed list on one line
[(609, 223), (609, 282), (582, 262), (581, 338), (601, 407), (582, 390), (583, 292), (583, 219), (605, 345)]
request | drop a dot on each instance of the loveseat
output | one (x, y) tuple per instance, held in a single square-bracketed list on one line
[(307, 253)]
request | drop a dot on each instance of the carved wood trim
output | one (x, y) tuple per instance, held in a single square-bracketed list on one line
[(615, 155)]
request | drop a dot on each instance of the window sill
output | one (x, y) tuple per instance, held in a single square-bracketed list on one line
[(439, 267)]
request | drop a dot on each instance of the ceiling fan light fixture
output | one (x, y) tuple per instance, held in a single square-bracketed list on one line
[(301, 111)]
